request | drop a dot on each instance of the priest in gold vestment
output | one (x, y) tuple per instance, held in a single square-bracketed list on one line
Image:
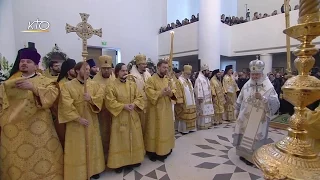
[(185, 109), (67, 74), (230, 89), (105, 79), (30, 148), (141, 75), (159, 135), (79, 111), (124, 101), (218, 98)]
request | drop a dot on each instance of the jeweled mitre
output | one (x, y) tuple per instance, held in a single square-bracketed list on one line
[(256, 66)]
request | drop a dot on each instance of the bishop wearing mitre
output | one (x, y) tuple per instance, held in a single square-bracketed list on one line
[(124, 101), (202, 90), (218, 98), (230, 89), (30, 148), (256, 104), (79, 111), (185, 108), (105, 79), (141, 75), (159, 131)]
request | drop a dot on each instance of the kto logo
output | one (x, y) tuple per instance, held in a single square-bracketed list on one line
[(38, 26)]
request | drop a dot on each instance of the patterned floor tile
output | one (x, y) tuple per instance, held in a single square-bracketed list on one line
[(205, 155), (223, 176), (207, 165), (202, 154), (223, 138), (204, 147), (152, 174)]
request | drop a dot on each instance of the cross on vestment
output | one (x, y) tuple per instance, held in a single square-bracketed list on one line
[(256, 116), (257, 103), (256, 86)]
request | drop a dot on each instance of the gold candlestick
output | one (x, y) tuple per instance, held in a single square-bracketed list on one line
[(170, 73), (287, 17), (309, 11), (294, 157)]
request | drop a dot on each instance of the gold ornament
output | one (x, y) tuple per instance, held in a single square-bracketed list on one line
[(294, 156)]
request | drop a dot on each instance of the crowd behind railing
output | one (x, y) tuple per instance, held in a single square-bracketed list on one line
[(184, 22), (224, 19)]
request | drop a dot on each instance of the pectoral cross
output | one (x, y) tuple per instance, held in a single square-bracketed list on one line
[(85, 31), (256, 86)]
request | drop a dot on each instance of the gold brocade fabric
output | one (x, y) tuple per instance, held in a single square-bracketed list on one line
[(159, 135), (140, 80), (30, 148), (104, 115), (230, 88), (218, 93), (313, 127), (48, 75), (71, 107), (182, 112), (126, 140)]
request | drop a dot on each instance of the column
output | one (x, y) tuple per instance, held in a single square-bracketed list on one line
[(209, 33), (267, 59)]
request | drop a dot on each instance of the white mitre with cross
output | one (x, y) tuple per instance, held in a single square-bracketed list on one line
[(256, 66)]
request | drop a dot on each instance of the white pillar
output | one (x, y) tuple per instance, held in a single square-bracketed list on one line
[(267, 59), (209, 33)]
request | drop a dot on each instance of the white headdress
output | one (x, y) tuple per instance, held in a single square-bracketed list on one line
[(204, 67), (256, 66)]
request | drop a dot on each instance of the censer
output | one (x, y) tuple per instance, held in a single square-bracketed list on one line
[(294, 157)]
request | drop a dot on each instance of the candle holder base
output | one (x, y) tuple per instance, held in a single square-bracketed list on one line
[(278, 165)]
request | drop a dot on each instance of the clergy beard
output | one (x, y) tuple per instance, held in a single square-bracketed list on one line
[(71, 75), (93, 73), (123, 79), (105, 75), (162, 74)]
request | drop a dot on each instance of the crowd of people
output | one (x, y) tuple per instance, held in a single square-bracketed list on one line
[(225, 19), (177, 24), (82, 118)]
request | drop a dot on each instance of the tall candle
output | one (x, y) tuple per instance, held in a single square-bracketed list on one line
[(308, 7)]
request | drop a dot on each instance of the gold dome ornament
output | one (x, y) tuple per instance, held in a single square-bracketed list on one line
[(294, 157)]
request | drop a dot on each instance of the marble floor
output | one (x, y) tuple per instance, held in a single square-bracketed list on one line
[(202, 155)]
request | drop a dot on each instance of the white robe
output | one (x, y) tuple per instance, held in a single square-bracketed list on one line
[(205, 110), (251, 130)]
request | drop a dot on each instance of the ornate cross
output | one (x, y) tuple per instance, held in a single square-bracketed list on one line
[(85, 31), (256, 86)]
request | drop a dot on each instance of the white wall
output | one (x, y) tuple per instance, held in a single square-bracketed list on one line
[(180, 9), (262, 6), (7, 39), (131, 26), (229, 7), (186, 41)]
